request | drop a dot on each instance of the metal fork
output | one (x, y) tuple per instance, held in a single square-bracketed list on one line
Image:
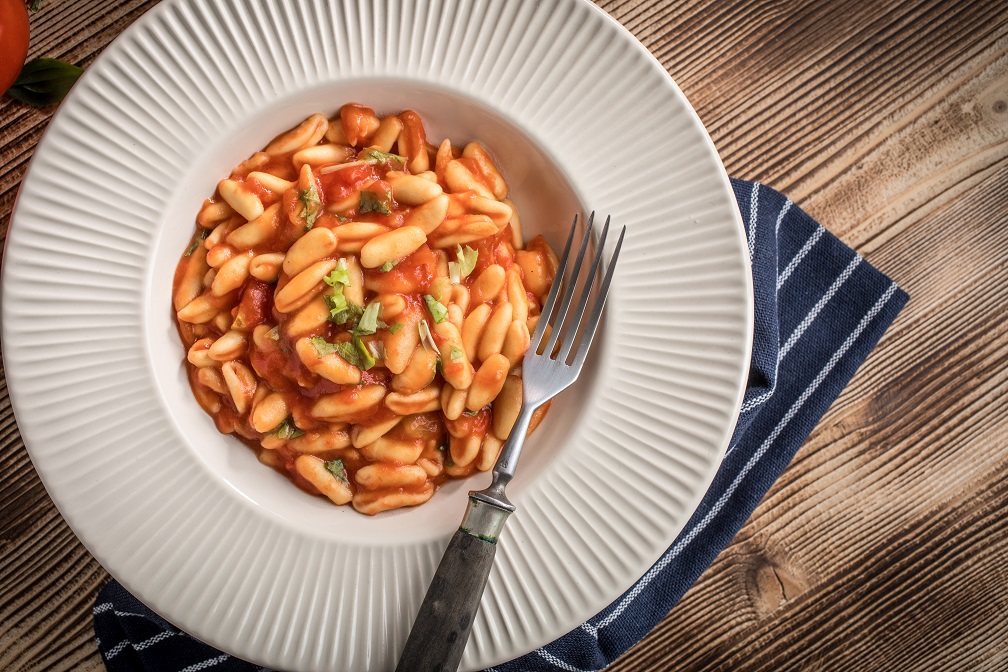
[(446, 616)]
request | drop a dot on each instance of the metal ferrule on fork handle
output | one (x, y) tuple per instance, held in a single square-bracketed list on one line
[(484, 520)]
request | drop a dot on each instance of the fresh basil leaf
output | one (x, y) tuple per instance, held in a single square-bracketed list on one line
[(467, 257), (312, 206), (368, 322), (341, 311), (350, 353), (336, 468), (44, 81), (365, 357), (375, 155), (287, 430), (339, 275), (354, 351), (323, 347), (436, 308), (336, 301), (370, 202)]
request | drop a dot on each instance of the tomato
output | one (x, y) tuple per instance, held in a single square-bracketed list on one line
[(13, 40)]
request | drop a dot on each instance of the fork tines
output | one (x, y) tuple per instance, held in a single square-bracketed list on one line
[(568, 325)]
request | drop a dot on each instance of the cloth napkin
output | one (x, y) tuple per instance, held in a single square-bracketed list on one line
[(820, 309)]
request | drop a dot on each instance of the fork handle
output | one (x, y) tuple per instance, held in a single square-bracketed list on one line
[(446, 616)]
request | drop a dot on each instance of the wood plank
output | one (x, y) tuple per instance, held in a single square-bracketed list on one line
[(873, 581), (915, 177)]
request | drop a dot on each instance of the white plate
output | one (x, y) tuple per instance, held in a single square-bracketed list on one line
[(580, 116)]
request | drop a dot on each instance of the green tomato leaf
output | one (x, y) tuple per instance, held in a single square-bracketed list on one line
[(44, 81)]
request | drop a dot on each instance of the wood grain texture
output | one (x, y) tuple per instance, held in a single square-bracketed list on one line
[(884, 546)]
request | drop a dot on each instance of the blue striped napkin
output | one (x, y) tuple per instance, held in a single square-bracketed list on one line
[(820, 310)]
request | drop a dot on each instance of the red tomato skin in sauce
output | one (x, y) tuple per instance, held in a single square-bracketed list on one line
[(494, 249), (338, 185), (417, 271)]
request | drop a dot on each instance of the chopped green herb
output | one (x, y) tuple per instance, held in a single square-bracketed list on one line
[(339, 275), (365, 357), (349, 352), (370, 202), (312, 205), (341, 310), (336, 468), (464, 266), (436, 308), (369, 322), (324, 348), (197, 239), (456, 353), (470, 413), (396, 327), (287, 430), (274, 333), (387, 266), (374, 155), (346, 316), (354, 351)]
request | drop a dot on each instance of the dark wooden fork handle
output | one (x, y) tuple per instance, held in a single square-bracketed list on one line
[(445, 619)]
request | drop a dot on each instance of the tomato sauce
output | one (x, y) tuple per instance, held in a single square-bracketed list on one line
[(268, 348), (339, 185)]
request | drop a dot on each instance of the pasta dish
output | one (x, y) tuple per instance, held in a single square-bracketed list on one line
[(356, 303)]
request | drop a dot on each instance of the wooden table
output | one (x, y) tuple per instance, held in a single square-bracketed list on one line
[(884, 546)]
